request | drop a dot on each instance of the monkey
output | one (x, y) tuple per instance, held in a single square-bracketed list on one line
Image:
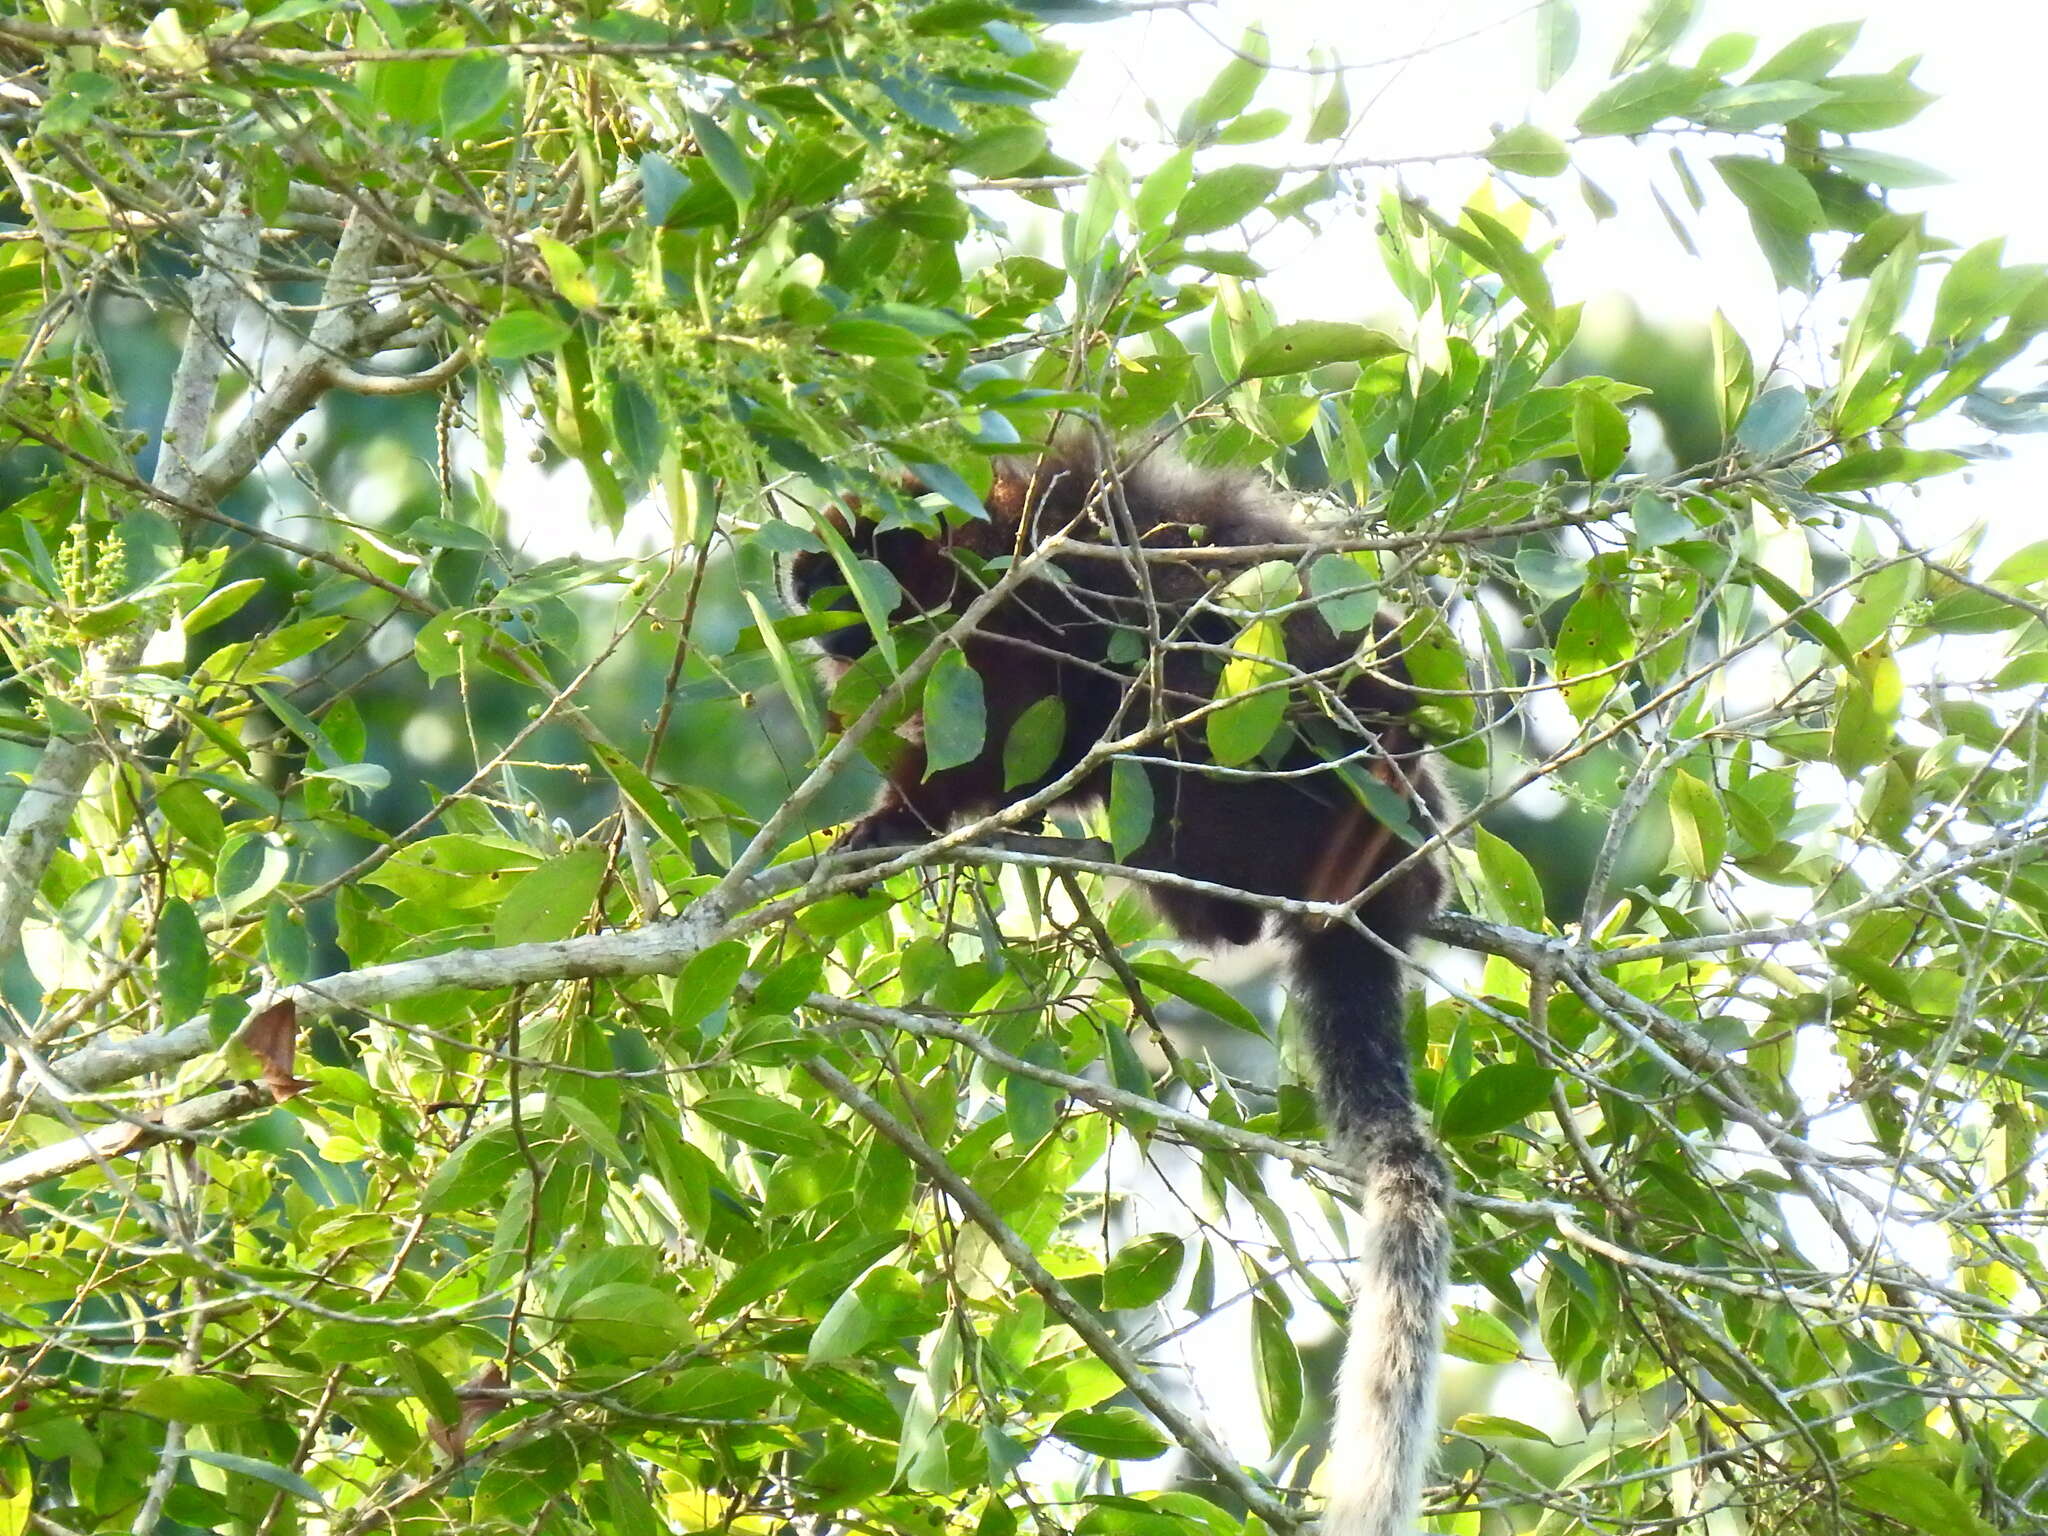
[(1294, 827)]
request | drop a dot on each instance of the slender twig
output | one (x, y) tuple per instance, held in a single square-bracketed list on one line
[(1193, 1435)]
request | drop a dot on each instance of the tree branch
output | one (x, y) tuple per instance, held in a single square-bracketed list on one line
[(41, 815), (1190, 1433), (132, 52), (177, 1122), (660, 949)]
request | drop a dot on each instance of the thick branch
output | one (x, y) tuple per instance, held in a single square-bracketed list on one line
[(40, 816), (126, 1136), (344, 328), (660, 949)]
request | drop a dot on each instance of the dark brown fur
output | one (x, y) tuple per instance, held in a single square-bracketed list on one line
[(1300, 833), (1314, 840)]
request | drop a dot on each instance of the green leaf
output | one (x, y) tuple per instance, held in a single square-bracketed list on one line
[(707, 983), (1661, 24), (859, 337), (251, 865), (1221, 198), (1527, 150), (221, 603), (1034, 741), (1973, 291), (1002, 151), (1332, 116), (566, 271), (842, 1333), (1784, 210), (776, 1125), (427, 1382), (1728, 53), (1906, 1493), (1239, 731), (1255, 127), (2026, 566), (1891, 465), (1143, 1270), (1557, 41), (262, 1471), (1130, 807), (1276, 1370), (718, 1392), (1346, 591), (875, 591), (1653, 522), (1120, 1434), (1159, 196), (1878, 596), (661, 187), (1496, 1096), (474, 94), (1232, 89), (251, 661), (476, 1172), (1892, 172), (442, 533), (1504, 253), (725, 158), (1773, 192), (1637, 103), (1868, 103), (587, 1126), (1591, 643), (1884, 301), (552, 900), (287, 947), (195, 1400), (1269, 585), (1200, 991), (1865, 714), (955, 714), (1310, 344), (630, 1319), (1810, 55), (1773, 421), (645, 794), (1490, 1426), (1510, 879), (1734, 374), (1031, 1107), (1744, 108), (1698, 830), (1481, 1338), (1600, 433), (1787, 597), (183, 963), (523, 333)]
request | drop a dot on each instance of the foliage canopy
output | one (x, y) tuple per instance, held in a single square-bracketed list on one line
[(444, 1091)]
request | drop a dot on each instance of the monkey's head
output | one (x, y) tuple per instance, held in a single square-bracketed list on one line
[(817, 580), (902, 570), (911, 570)]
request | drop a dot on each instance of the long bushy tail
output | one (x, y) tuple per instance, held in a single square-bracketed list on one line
[(1351, 991)]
